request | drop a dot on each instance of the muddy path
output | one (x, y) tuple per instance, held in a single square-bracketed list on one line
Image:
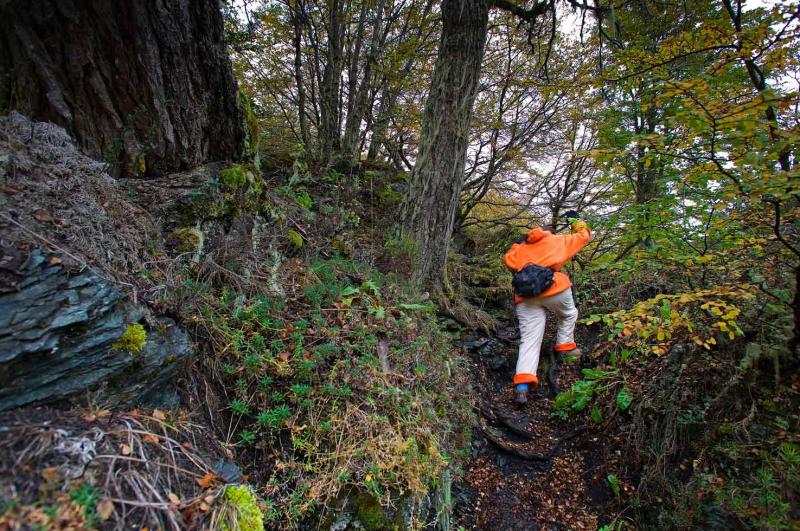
[(530, 470)]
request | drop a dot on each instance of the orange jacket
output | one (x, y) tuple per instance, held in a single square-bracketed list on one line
[(548, 250)]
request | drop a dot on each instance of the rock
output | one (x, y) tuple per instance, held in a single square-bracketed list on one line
[(229, 472), (57, 333)]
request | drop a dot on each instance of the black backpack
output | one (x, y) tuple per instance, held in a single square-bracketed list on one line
[(532, 280)]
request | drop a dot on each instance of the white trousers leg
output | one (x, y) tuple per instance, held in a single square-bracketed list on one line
[(563, 306), (532, 318)]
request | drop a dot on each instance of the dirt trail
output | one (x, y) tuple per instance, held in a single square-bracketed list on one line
[(530, 470)]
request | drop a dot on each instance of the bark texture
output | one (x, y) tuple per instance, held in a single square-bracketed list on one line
[(145, 85), (430, 206)]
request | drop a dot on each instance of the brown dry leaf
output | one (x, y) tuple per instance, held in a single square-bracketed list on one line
[(204, 507), (151, 438), (209, 499), (173, 498), (41, 215), (105, 508), (125, 449), (54, 260), (159, 415), (206, 480), (50, 473)]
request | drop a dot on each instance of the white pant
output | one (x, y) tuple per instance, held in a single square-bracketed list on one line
[(532, 317)]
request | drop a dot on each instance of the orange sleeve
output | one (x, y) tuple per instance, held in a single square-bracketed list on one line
[(512, 259), (575, 242)]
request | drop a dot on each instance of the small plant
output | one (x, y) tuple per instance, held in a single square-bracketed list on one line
[(86, 496), (132, 340), (239, 407), (613, 482), (248, 437)]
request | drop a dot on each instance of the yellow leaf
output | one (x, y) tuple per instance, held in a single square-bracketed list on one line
[(173, 498), (125, 449)]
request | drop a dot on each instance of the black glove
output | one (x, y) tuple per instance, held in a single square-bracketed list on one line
[(572, 214), (522, 239)]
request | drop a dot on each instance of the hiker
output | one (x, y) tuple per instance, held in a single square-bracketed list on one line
[(536, 260)]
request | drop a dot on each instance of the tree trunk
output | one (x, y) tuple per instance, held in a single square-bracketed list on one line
[(146, 85), (360, 102), (430, 206), (329, 140), (298, 18)]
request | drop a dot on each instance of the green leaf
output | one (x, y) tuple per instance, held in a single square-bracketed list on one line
[(416, 307), (348, 291), (614, 483), (372, 286), (594, 374), (378, 311), (624, 399), (597, 415)]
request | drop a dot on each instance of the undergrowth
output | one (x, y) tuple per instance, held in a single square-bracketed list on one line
[(347, 384)]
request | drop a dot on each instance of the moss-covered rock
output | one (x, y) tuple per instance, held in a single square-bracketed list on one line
[(234, 177), (187, 240), (370, 513)]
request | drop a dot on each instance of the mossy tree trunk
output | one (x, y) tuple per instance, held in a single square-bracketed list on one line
[(145, 85), (429, 209)]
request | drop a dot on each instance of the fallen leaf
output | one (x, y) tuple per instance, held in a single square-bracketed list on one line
[(209, 499), (54, 260), (206, 480), (151, 438), (125, 449), (159, 415), (41, 215), (173, 498), (105, 508), (204, 507)]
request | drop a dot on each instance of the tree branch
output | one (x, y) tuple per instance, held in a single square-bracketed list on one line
[(529, 15)]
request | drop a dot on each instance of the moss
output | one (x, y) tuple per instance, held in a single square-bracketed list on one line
[(295, 238), (246, 515), (132, 340), (370, 513), (188, 240), (233, 177)]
